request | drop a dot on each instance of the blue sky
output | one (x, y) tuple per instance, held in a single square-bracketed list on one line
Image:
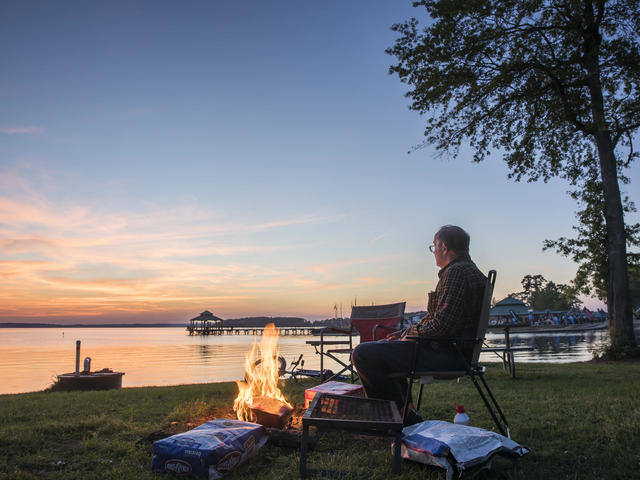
[(162, 158)]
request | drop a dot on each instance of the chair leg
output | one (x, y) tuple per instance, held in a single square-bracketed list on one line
[(407, 397), (512, 371), (419, 397), (303, 451), (354, 375), (350, 360), (414, 362), (397, 455), (504, 426)]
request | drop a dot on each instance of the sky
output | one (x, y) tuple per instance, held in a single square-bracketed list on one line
[(158, 159)]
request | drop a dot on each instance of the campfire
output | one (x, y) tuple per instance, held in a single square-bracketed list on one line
[(259, 398)]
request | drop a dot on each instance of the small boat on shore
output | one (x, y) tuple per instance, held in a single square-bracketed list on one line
[(105, 379)]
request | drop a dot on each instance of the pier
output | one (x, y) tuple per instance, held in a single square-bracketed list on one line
[(219, 330), (208, 324)]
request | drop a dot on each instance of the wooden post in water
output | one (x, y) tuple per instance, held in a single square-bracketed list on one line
[(77, 357)]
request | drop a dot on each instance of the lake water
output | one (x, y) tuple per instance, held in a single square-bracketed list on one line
[(30, 358)]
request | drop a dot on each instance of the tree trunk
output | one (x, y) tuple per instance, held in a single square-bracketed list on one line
[(618, 298)]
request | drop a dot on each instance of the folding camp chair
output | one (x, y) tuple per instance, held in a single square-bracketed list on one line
[(373, 322), (472, 369)]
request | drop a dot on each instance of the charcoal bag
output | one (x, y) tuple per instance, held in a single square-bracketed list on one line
[(454, 447), (210, 450)]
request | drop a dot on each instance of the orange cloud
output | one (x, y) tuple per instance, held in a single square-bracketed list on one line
[(63, 259)]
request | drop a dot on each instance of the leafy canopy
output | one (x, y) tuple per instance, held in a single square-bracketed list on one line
[(513, 76), (540, 294)]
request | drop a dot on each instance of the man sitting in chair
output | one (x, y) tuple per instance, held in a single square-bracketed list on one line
[(453, 312)]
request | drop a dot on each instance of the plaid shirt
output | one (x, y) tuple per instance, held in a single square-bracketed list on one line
[(454, 308)]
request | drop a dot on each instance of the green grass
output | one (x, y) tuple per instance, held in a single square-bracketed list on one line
[(581, 421)]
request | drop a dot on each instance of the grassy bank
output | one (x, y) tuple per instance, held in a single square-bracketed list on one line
[(580, 421)]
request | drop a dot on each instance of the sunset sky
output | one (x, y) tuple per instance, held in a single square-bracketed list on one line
[(250, 158)]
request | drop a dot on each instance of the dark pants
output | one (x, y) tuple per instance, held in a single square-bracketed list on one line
[(377, 362)]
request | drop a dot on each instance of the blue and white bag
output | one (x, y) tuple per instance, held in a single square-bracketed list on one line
[(211, 450), (455, 447)]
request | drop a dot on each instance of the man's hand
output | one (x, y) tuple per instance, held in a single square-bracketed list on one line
[(411, 331), (395, 335)]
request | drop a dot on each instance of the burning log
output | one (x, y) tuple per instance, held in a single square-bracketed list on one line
[(259, 397), (271, 412)]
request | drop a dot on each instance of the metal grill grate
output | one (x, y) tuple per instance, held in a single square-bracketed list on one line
[(353, 413), (353, 408), (361, 415)]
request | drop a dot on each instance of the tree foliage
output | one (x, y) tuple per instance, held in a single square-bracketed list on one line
[(542, 294), (590, 245), (554, 86), (509, 75)]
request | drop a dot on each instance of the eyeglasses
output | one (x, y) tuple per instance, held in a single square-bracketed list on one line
[(432, 248)]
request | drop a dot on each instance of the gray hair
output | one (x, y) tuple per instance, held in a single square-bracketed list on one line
[(455, 238)]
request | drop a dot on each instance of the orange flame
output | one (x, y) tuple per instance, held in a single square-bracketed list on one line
[(261, 374)]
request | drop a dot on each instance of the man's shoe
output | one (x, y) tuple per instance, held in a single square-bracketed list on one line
[(413, 417)]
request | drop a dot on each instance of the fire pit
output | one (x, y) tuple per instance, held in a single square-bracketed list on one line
[(362, 415), (259, 397), (104, 379)]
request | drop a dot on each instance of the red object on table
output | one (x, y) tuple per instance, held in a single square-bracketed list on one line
[(337, 388)]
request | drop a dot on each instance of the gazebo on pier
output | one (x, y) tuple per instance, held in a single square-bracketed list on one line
[(503, 312), (205, 324)]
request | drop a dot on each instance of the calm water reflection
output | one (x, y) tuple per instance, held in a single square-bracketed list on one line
[(30, 358), (552, 347)]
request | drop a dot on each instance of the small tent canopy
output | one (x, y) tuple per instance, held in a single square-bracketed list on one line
[(504, 308)]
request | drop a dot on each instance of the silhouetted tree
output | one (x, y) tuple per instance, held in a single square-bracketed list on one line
[(540, 294), (554, 84)]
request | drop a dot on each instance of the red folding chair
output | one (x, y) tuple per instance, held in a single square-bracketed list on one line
[(373, 322)]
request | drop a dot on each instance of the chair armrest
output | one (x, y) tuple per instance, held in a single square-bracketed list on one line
[(455, 342), (386, 327), (420, 339), (443, 339)]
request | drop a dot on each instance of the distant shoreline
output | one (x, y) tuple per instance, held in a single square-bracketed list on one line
[(246, 322), (99, 325)]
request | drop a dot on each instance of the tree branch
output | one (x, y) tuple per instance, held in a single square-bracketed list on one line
[(625, 131), (570, 114)]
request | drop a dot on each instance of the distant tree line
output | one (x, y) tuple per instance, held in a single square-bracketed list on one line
[(542, 294), (259, 322)]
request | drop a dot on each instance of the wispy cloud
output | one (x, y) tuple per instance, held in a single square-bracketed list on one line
[(61, 258), (25, 245), (330, 268), (306, 219), (414, 282), (22, 129), (371, 280)]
